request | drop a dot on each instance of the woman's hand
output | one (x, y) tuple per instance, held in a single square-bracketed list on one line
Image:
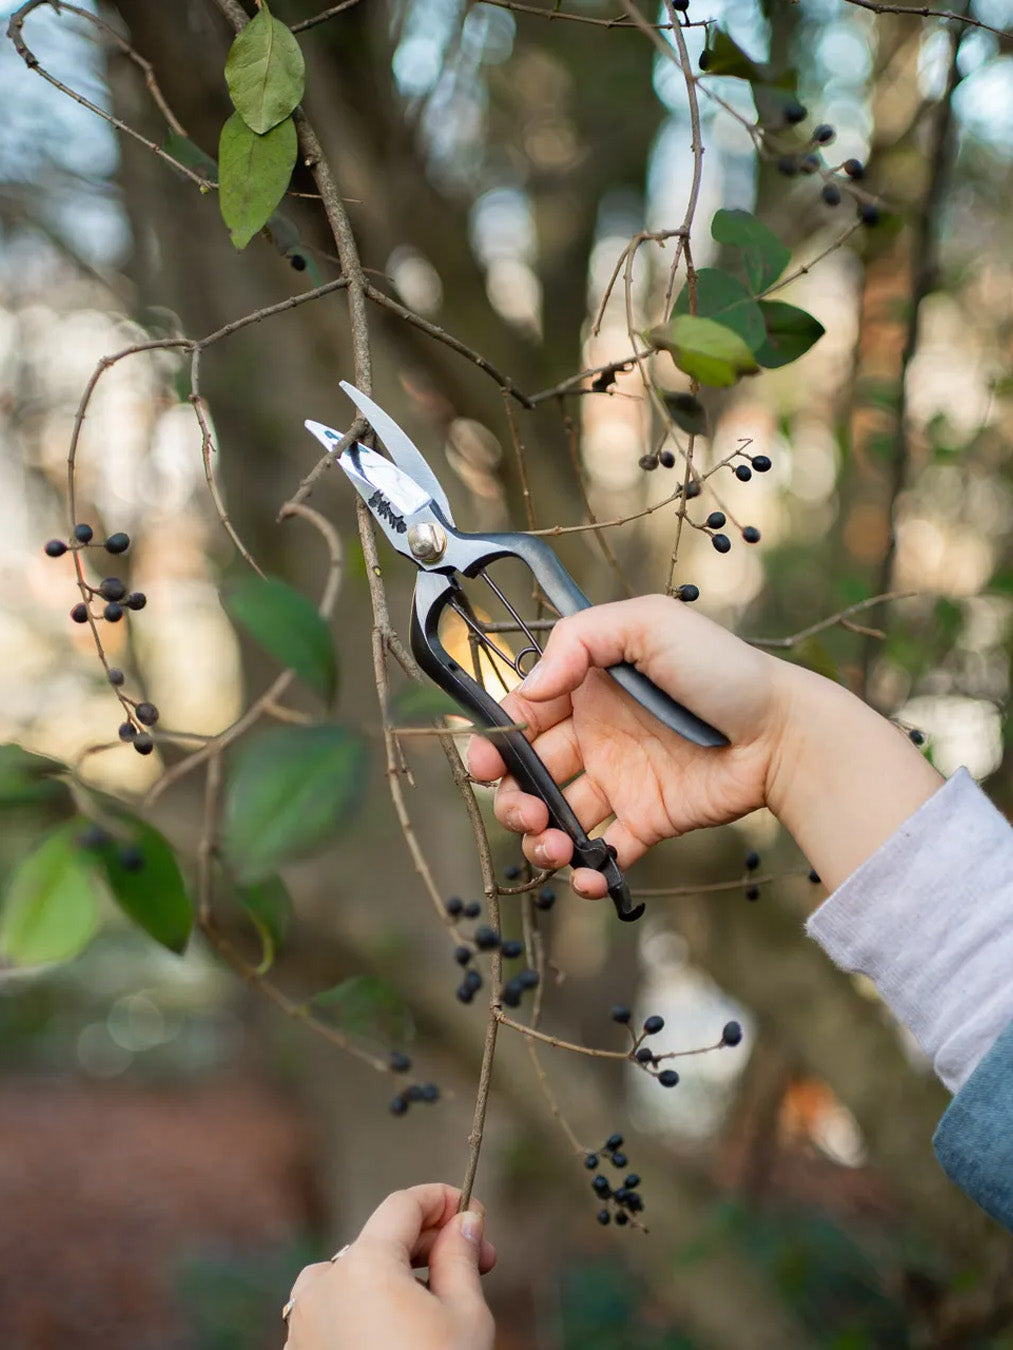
[(370, 1298), (656, 783), (836, 774)]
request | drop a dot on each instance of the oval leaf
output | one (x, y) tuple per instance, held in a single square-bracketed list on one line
[(726, 57), (763, 254), (790, 333), (141, 868), (722, 298), (368, 1006), (705, 350), (265, 72), (29, 780), (268, 906), (287, 792), (254, 172), (285, 623), (50, 903)]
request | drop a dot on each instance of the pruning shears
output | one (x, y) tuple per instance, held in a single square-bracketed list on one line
[(411, 508)]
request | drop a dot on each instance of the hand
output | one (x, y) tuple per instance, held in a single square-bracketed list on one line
[(369, 1297), (656, 783), (839, 776)]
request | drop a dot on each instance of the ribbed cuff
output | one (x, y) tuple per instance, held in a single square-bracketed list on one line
[(929, 918)]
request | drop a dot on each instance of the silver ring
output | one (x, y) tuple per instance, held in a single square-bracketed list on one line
[(338, 1255), (287, 1310)]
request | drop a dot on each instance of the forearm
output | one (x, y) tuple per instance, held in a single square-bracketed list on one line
[(842, 779)]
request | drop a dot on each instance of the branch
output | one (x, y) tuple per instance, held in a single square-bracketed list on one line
[(921, 12)]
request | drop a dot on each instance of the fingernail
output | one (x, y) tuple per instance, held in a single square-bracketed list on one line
[(542, 856), (472, 1227), (534, 677)]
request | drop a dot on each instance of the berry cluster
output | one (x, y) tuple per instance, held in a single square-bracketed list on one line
[(643, 1054), (622, 1202), (484, 938), (809, 160), (418, 1092)]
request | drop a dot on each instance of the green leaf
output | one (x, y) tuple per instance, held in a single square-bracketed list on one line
[(687, 412), (190, 155), (705, 350), (50, 903), (265, 72), (726, 57), (422, 704), (150, 887), (368, 1006), (254, 173), (790, 333), (287, 793), (29, 780), (722, 298), (268, 906), (764, 256), (285, 623)]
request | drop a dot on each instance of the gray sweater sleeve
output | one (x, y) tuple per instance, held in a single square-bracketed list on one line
[(929, 918)]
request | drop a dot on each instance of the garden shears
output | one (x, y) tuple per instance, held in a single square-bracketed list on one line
[(411, 508)]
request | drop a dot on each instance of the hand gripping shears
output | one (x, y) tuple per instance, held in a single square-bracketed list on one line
[(411, 508)]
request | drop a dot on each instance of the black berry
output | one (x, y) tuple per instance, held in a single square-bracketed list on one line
[(136, 600), (414, 1093), (462, 955), (546, 898), (622, 1219), (634, 1203), (430, 1092), (115, 676), (143, 743), (512, 873), (814, 876), (83, 533), (93, 837), (680, 5), (464, 993), (752, 860), (56, 548), (854, 168), (298, 262), (788, 165), (693, 489), (761, 463), (399, 1062), (648, 462), (112, 589), (689, 593), (644, 1056), (513, 991), (473, 980), (619, 1160), (146, 713), (117, 543), (398, 1106), (513, 948), (127, 731), (620, 1013), (732, 1034), (80, 613), (668, 1078), (715, 520), (529, 979), (752, 892), (743, 473), (604, 1217), (613, 1142), (472, 909), (454, 906), (632, 1181), (131, 858), (667, 459), (824, 134), (486, 938), (831, 194), (868, 213), (653, 1025), (794, 112), (600, 1185), (809, 163), (751, 534), (591, 1161), (704, 59), (916, 737), (721, 542), (113, 612)]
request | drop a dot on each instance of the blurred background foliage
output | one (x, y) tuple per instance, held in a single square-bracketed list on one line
[(175, 1149)]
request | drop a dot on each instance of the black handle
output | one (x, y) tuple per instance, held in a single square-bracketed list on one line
[(433, 591), (567, 597)]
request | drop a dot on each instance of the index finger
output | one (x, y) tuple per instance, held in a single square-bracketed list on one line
[(400, 1221), (484, 760)]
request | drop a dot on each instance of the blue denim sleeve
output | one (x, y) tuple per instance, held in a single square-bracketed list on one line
[(974, 1139)]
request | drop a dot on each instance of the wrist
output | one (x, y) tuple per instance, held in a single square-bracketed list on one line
[(841, 778)]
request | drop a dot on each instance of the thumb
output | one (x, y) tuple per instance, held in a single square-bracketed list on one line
[(453, 1262)]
